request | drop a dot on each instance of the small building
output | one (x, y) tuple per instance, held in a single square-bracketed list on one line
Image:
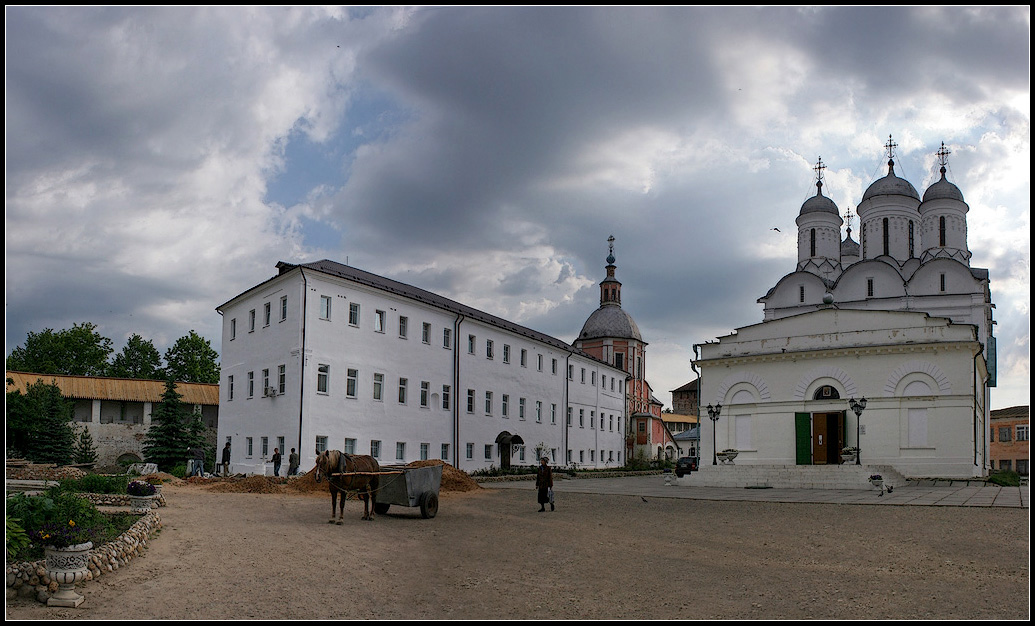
[(117, 411), (1009, 439)]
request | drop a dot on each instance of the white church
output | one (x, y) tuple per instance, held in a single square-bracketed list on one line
[(899, 319)]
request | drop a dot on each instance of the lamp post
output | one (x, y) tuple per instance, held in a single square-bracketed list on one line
[(713, 414), (858, 406)]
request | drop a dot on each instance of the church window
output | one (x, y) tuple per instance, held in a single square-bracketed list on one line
[(869, 287), (941, 280), (941, 231), (620, 360), (886, 235), (812, 242), (801, 293), (911, 239)]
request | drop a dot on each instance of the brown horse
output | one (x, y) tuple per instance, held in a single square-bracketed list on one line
[(362, 478)]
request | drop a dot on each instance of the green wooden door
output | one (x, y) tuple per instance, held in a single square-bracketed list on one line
[(803, 438)]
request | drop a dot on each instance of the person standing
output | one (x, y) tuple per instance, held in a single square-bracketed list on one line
[(292, 463), (199, 462), (544, 483), (276, 461), (226, 459)]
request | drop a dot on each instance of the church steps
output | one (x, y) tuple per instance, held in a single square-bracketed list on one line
[(791, 476)]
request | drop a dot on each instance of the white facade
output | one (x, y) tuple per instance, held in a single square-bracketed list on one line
[(364, 364), (900, 319)]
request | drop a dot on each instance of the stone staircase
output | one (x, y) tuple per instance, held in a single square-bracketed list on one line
[(791, 476)]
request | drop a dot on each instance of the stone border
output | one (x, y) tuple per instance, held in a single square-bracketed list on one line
[(561, 474), (30, 578)]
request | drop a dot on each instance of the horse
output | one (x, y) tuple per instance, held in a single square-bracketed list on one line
[(363, 479)]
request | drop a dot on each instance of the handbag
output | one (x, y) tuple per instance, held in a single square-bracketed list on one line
[(549, 493)]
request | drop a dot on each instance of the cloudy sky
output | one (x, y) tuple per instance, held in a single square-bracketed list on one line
[(160, 161)]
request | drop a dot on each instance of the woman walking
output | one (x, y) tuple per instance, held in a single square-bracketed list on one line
[(544, 482)]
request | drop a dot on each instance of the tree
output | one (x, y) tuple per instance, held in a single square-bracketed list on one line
[(84, 450), (192, 360), (39, 424), (78, 351), (168, 437), (138, 359)]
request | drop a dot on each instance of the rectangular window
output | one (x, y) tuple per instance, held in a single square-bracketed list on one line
[(470, 400), (425, 386), (801, 293), (265, 447), (323, 373), (521, 408), (620, 360), (233, 329), (488, 403), (402, 391), (321, 444), (380, 319), (265, 381), (538, 412), (400, 451), (506, 353), (351, 383), (251, 321), (1004, 433), (379, 383), (447, 338), (445, 397), (488, 452), (505, 407), (569, 416), (571, 372), (423, 452), (470, 344), (470, 451), (353, 314), (251, 384), (445, 452), (350, 446), (539, 362), (583, 376), (266, 308), (425, 332), (1022, 432), (281, 379), (553, 367), (283, 308), (325, 307), (941, 280), (375, 448), (592, 419), (488, 349), (593, 378), (869, 287), (582, 418), (248, 445), (403, 321), (229, 387), (524, 358), (553, 413)]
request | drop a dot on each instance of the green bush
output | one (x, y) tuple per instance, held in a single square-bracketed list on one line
[(1005, 478), (17, 539), (95, 483)]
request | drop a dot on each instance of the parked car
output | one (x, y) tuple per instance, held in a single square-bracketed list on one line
[(685, 465)]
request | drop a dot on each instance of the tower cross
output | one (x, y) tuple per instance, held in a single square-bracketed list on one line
[(890, 147), (943, 155)]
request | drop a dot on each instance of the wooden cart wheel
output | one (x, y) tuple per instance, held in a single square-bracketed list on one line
[(428, 504), (381, 507)]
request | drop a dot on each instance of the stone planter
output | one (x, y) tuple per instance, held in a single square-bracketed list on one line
[(848, 458), (140, 504), (726, 457), (67, 566), (879, 484)]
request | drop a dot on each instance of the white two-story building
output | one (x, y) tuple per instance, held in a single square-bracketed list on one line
[(327, 356)]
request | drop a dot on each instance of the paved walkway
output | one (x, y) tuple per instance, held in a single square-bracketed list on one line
[(932, 494)]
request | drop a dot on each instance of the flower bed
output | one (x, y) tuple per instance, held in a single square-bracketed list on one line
[(30, 579)]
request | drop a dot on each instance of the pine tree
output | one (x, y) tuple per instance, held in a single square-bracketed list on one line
[(169, 436), (84, 451), (49, 416)]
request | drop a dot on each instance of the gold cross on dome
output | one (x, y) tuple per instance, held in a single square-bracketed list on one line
[(943, 155), (890, 146)]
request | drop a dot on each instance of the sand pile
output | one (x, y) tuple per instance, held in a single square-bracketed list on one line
[(251, 484), (452, 478)]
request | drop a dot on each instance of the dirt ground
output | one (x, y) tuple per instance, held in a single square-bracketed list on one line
[(489, 554)]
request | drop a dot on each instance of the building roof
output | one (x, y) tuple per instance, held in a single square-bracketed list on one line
[(610, 321), (891, 185), (690, 386), (1014, 412), (117, 389), (677, 418), (381, 283)]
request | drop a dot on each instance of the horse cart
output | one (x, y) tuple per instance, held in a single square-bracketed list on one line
[(403, 485)]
